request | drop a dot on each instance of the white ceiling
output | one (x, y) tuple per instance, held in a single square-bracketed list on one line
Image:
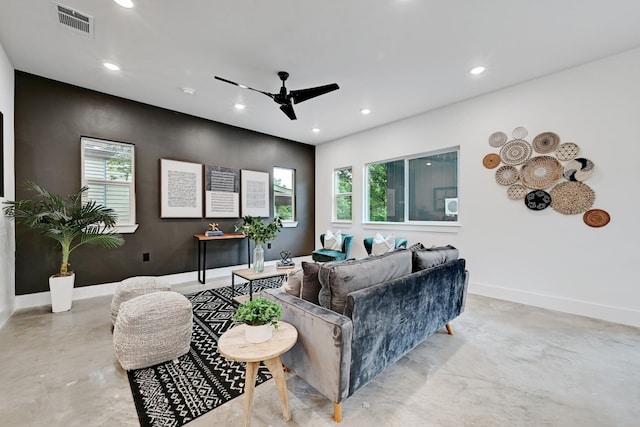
[(397, 57)]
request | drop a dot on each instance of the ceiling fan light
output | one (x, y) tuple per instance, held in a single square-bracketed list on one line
[(477, 70)]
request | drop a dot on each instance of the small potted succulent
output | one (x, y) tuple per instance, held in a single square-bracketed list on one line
[(261, 316)]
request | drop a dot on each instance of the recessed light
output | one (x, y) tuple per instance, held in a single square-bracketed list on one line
[(188, 90), (315, 130), (111, 66), (125, 3), (365, 111), (243, 86), (477, 70), (240, 106)]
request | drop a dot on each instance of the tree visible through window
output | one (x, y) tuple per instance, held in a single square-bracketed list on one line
[(108, 171), (284, 193), (429, 184), (342, 194)]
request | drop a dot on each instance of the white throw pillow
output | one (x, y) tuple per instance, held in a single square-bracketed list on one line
[(333, 241), (382, 245)]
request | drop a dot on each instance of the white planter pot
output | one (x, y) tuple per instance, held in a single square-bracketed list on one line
[(258, 334), (61, 288)]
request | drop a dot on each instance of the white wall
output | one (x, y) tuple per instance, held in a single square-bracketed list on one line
[(538, 258), (7, 229)]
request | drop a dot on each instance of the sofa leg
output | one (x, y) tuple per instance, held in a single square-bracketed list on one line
[(337, 412), (449, 329)]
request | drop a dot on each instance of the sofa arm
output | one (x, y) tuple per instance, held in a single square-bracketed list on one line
[(322, 354)]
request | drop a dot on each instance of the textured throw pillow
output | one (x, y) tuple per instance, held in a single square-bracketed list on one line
[(333, 241), (382, 245), (431, 257), (310, 283), (293, 285), (416, 247)]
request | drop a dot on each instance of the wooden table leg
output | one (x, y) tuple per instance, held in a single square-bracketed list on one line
[(249, 387), (275, 367)]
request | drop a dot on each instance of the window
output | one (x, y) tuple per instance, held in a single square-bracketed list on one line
[(342, 187), (284, 197), (108, 170), (421, 188)]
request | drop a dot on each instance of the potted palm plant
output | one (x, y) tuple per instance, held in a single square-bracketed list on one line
[(255, 229), (69, 222), (261, 316)]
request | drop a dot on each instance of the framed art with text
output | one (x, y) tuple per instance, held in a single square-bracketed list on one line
[(180, 189), (255, 193), (222, 192)]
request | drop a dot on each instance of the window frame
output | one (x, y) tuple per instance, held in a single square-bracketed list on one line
[(407, 222), (334, 190), (131, 226), (293, 222)]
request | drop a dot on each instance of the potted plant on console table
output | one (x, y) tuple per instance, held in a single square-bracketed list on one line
[(256, 230), (261, 316), (69, 222)]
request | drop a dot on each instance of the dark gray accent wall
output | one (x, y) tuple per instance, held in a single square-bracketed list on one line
[(50, 118)]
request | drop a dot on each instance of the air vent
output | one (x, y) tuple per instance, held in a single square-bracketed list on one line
[(75, 20)]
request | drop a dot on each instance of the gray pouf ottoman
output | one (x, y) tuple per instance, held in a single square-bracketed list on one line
[(134, 287), (152, 328)]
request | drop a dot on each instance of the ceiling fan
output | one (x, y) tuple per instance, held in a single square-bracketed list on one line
[(286, 100)]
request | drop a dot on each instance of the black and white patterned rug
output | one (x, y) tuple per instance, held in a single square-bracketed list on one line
[(176, 392)]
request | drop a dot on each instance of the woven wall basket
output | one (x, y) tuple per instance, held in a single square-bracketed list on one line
[(572, 198)]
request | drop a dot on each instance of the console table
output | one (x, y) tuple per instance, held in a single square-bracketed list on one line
[(202, 250)]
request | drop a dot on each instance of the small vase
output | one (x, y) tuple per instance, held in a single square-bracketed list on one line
[(258, 259), (258, 334)]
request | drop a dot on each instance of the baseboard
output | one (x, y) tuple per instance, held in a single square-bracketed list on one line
[(98, 290), (609, 313)]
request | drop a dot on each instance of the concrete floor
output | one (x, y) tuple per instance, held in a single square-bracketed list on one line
[(507, 365)]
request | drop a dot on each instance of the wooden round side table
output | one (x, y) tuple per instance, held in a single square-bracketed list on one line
[(234, 346)]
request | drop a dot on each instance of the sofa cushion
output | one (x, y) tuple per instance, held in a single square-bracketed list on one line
[(431, 257), (293, 285), (310, 284), (338, 279)]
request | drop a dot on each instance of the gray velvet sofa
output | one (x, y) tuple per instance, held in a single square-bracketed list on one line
[(373, 311)]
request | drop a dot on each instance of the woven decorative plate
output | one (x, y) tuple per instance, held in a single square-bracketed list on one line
[(491, 161), (497, 139), (519, 133), (516, 192), (546, 142), (515, 152), (579, 169), (572, 197), (596, 218), (540, 172), (537, 200), (567, 151), (507, 175)]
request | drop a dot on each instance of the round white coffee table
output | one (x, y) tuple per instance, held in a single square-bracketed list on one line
[(234, 346)]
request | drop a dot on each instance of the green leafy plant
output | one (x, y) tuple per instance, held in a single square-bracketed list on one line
[(255, 229), (66, 220), (260, 311)]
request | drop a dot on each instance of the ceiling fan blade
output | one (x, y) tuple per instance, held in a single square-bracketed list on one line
[(270, 95), (288, 110), (301, 95)]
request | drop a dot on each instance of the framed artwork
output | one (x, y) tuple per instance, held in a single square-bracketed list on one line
[(255, 193), (180, 189), (222, 192)]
